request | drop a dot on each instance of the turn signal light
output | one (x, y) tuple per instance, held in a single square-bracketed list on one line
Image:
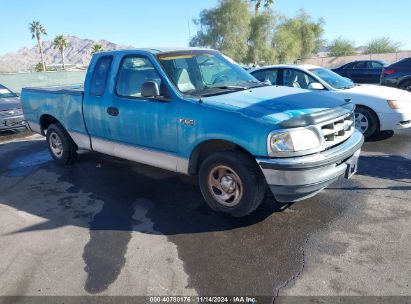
[(393, 104)]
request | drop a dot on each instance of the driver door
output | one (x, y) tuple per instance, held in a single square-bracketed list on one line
[(122, 118)]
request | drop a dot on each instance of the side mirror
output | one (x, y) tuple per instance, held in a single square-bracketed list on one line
[(17, 94), (150, 89), (315, 86)]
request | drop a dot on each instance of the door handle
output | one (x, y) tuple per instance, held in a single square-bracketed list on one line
[(112, 111)]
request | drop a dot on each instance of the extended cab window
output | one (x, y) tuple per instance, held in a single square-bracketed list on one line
[(134, 71), (100, 75)]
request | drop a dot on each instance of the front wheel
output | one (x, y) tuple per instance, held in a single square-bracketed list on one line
[(232, 183), (366, 122), (61, 146)]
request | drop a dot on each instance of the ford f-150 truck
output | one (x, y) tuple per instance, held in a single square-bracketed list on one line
[(195, 112)]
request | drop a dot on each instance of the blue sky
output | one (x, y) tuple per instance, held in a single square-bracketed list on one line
[(168, 23)]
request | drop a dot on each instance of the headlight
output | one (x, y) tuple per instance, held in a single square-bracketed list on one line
[(293, 141)]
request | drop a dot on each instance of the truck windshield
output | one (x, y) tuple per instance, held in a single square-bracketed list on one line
[(5, 93), (202, 73), (333, 79)]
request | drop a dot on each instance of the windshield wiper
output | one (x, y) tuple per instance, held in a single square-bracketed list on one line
[(227, 87), (225, 90)]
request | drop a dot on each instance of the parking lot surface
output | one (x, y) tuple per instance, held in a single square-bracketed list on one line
[(105, 226)]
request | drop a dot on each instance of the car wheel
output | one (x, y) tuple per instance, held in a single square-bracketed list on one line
[(61, 146), (231, 182), (366, 121), (406, 85)]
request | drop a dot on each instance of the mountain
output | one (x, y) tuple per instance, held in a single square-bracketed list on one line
[(78, 51)]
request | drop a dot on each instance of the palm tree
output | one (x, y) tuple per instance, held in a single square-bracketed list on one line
[(96, 48), (60, 43), (37, 30)]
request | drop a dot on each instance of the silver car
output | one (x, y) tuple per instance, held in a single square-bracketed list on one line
[(11, 113)]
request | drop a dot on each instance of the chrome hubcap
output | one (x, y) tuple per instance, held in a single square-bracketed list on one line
[(361, 122), (56, 145), (225, 186)]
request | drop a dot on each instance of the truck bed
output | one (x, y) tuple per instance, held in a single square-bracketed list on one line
[(62, 103)]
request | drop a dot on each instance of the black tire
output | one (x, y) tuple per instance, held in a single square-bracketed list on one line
[(371, 118), (67, 148), (252, 182), (406, 85)]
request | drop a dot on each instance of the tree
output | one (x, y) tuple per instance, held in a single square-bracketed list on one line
[(60, 43), (382, 45), (37, 30), (298, 37), (258, 3), (341, 47), (38, 67), (225, 28), (261, 35), (96, 48)]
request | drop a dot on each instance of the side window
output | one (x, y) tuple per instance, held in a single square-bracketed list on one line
[(297, 79), (267, 76), (348, 66), (376, 65), (133, 72), (360, 65), (100, 75), (260, 75)]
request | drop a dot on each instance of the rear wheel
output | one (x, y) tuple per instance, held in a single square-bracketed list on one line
[(61, 146), (366, 121), (231, 183), (406, 85)]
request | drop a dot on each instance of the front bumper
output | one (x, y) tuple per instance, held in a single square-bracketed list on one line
[(12, 122), (298, 178), (395, 120)]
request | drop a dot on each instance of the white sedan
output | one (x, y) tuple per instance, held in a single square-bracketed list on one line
[(378, 108)]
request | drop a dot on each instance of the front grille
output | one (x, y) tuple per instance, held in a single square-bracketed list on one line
[(338, 130)]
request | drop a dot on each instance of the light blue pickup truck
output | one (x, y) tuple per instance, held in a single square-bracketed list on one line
[(195, 112)]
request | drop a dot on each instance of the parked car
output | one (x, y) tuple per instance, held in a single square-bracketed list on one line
[(378, 108), (364, 71), (193, 111), (398, 75), (11, 114)]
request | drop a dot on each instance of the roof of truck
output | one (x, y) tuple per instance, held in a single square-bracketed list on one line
[(157, 50)]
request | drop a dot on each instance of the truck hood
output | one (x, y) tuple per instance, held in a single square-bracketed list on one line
[(380, 92), (10, 103), (275, 103)]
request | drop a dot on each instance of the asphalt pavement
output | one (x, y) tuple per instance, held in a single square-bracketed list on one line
[(106, 226)]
